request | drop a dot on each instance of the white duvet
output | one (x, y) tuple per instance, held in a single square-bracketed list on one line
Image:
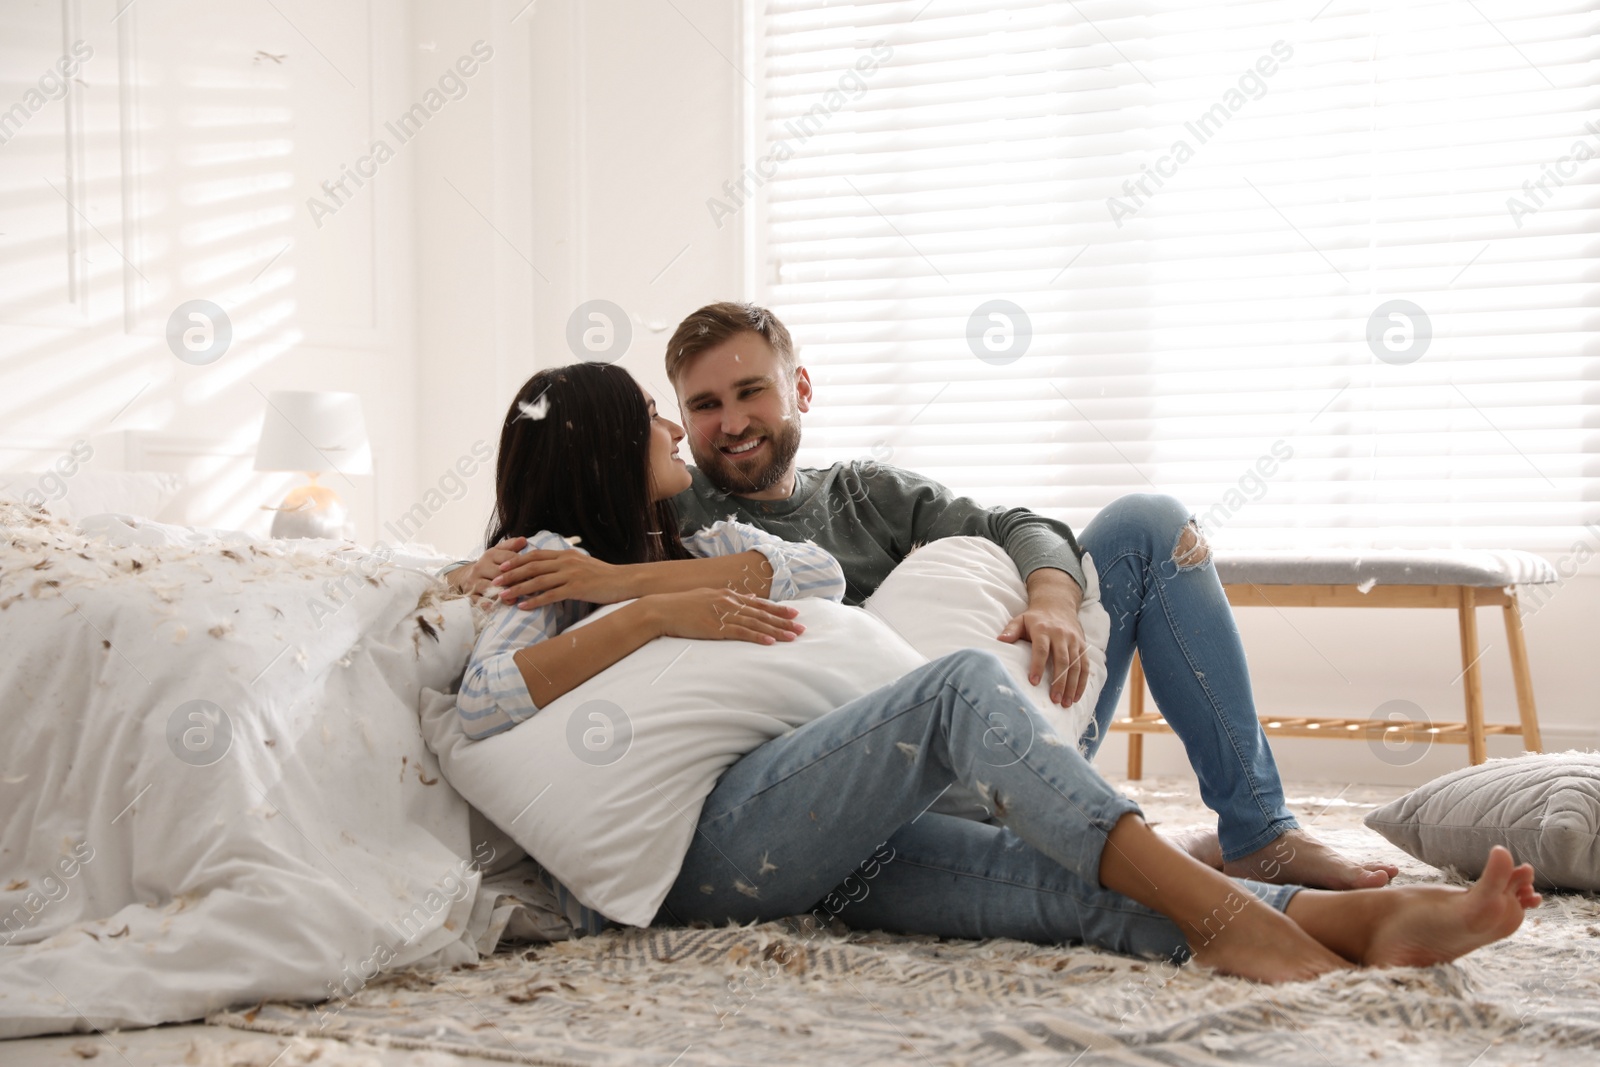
[(160, 860)]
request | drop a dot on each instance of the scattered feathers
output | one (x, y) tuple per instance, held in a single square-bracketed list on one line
[(534, 411)]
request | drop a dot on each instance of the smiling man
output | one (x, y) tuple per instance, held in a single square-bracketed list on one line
[(741, 392)]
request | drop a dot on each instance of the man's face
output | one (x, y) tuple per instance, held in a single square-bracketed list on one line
[(742, 413)]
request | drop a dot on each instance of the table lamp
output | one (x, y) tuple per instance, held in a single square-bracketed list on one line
[(313, 432)]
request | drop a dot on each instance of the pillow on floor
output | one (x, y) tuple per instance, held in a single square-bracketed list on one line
[(1545, 808), (959, 592), (604, 786)]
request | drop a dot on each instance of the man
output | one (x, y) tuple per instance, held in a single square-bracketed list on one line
[(741, 392)]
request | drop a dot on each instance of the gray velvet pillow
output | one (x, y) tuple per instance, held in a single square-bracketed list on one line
[(1545, 808)]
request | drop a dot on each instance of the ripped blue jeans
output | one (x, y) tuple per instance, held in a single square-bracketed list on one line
[(1164, 598)]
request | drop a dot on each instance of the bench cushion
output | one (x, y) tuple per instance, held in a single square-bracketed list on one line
[(1383, 566)]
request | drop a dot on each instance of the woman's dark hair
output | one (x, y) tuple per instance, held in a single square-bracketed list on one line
[(575, 460)]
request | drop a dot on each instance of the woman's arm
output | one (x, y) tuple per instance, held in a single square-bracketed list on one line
[(525, 659), (797, 569), (541, 577), (553, 668), (743, 572), (734, 556), (475, 576)]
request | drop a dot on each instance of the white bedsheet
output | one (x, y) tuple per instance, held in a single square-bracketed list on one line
[(138, 886)]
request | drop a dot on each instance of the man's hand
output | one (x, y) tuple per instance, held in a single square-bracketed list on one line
[(476, 578), (1051, 624), (546, 576)]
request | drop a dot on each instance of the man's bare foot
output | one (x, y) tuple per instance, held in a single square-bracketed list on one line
[(1199, 842), (1425, 925), (1297, 858), (1248, 939)]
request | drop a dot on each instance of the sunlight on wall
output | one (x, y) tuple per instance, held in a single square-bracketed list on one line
[(173, 166)]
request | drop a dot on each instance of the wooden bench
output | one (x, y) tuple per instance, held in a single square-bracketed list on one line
[(1462, 580)]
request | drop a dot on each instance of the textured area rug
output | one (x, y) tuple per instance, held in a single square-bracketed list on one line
[(783, 993)]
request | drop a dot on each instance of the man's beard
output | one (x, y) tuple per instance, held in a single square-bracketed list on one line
[(782, 445)]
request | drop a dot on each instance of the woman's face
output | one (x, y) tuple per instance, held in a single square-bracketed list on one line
[(669, 474)]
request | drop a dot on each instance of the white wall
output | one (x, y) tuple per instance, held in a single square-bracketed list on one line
[(177, 168), (584, 185)]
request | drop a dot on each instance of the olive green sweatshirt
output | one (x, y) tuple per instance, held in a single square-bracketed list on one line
[(870, 517)]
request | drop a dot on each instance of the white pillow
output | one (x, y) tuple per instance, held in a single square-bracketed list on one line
[(959, 592), (604, 786), (1545, 808), (85, 492)]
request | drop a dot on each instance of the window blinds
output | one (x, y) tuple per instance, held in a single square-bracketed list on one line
[(1328, 276)]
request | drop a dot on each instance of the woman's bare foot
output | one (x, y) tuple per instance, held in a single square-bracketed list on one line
[(1224, 924), (1419, 925), (1426, 925), (1251, 940), (1297, 858), (1229, 929), (1406, 926)]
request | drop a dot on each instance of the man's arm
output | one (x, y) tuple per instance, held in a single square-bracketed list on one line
[(1045, 552), (932, 511), (1050, 623)]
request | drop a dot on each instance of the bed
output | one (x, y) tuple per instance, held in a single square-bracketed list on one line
[(213, 789)]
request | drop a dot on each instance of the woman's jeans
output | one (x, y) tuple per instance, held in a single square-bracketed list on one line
[(793, 819), (1178, 618)]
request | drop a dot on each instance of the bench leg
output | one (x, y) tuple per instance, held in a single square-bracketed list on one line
[(1531, 741), (1471, 680), (1136, 711)]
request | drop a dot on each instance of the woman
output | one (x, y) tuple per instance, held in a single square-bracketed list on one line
[(586, 460)]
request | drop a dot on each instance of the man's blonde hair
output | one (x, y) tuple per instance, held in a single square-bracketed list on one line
[(715, 323)]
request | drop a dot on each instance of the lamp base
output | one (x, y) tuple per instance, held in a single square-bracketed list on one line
[(311, 511)]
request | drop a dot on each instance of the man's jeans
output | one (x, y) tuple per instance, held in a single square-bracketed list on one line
[(791, 820), (1179, 619)]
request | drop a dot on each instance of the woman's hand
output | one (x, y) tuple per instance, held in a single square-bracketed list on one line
[(477, 578), (545, 576), (723, 615)]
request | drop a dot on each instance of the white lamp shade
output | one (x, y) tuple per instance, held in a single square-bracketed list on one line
[(311, 431)]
